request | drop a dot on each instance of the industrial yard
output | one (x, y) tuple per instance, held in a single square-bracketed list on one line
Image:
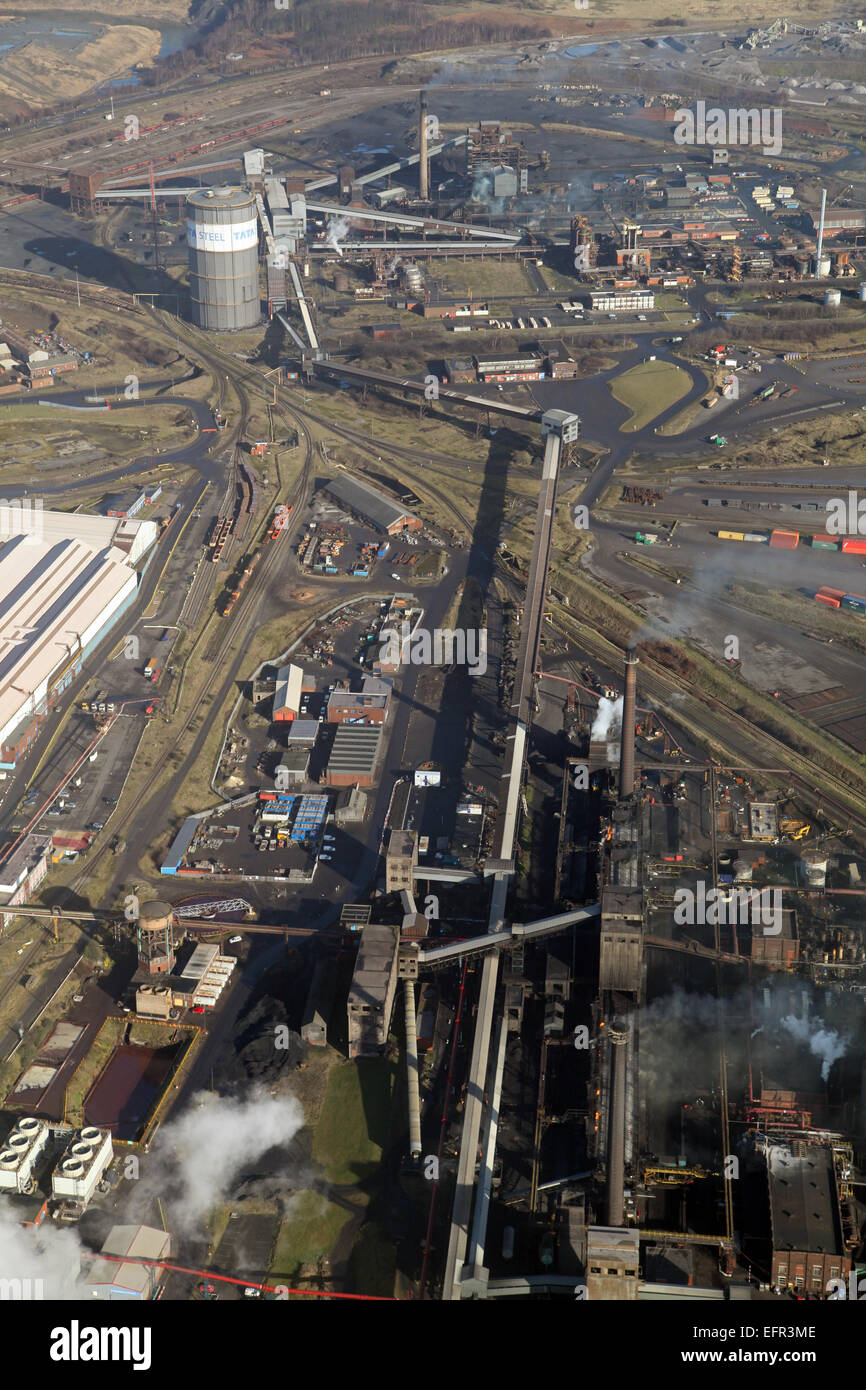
[(432, 727)]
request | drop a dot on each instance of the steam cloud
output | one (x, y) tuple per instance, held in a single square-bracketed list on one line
[(823, 1042), (207, 1148), (338, 230), (43, 1253), (194, 1166), (608, 720)]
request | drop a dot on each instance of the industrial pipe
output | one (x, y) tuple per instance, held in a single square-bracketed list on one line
[(412, 1069), (616, 1126), (626, 755), (820, 233)]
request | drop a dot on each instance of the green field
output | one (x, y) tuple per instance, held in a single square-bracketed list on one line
[(647, 390)]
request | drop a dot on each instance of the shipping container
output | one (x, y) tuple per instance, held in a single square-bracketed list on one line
[(822, 543), (831, 593), (730, 535), (827, 600), (785, 540), (854, 547)]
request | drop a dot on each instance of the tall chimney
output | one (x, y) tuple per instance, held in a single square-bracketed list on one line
[(820, 232), (616, 1125), (626, 754), (423, 174)]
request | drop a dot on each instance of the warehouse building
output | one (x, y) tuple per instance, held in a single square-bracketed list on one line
[(287, 695), (354, 755), (65, 579), (371, 994), (122, 1277), (383, 513), (369, 705)]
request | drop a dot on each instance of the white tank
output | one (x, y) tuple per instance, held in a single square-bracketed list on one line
[(832, 299), (861, 293)]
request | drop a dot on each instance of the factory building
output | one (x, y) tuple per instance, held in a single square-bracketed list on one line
[(371, 506), (85, 1158), (400, 861), (806, 1223), (200, 982), (840, 222), (371, 994), (287, 695), (612, 1263), (65, 579), (222, 234), (369, 705), (618, 302), (523, 368), (20, 1155), (23, 871), (122, 1277), (354, 755)]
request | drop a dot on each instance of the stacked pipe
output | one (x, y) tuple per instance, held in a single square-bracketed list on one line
[(626, 756), (616, 1125)]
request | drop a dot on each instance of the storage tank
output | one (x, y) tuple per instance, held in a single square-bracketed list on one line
[(822, 266), (832, 299), (861, 293), (341, 282), (223, 244)]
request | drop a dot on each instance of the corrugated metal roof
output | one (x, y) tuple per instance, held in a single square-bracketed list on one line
[(53, 596), (364, 500), (356, 748)]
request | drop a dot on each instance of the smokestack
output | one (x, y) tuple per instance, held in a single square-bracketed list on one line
[(820, 232), (616, 1125), (626, 755), (423, 178)]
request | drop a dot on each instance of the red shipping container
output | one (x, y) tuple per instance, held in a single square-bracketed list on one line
[(827, 599), (785, 540), (832, 593), (854, 547)]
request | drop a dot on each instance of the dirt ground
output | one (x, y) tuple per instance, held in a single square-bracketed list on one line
[(39, 74)]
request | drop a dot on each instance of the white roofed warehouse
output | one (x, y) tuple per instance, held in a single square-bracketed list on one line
[(65, 580)]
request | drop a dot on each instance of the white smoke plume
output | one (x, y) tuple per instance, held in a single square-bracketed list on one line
[(608, 720), (208, 1147), (823, 1042), (338, 230), (46, 1256)]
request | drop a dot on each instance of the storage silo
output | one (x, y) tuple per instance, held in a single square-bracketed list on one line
[(832, 299), (223, 238)]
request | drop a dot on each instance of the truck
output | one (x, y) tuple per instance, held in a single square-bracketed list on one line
[(151, 668)]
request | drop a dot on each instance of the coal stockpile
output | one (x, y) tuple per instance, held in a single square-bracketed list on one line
[(270, 1020)]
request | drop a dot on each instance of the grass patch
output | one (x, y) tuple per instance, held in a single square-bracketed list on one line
[(354, 1123), (647, 390)]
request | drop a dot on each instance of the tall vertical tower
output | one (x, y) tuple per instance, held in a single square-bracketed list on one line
[(222, 237), (424, 161)]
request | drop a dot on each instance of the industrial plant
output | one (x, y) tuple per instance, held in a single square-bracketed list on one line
[(432, 833)]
